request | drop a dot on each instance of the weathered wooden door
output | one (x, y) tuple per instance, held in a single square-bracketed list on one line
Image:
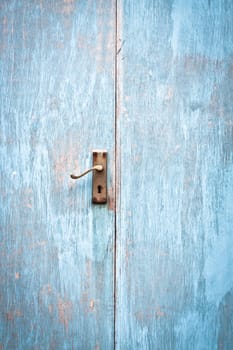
[(57, 105), (151, 82), (175, 166)]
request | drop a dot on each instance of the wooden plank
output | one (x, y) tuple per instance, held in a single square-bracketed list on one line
[(174, 229), (57, 105)]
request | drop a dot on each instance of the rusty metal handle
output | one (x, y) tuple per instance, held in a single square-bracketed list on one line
[(96, 167)]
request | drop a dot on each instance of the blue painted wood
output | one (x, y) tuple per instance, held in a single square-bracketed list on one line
[(57, 104), (174, 144), (175, 170)]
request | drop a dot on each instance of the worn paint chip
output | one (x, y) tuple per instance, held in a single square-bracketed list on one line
[(92, 305), (17, 275), (64, 311)]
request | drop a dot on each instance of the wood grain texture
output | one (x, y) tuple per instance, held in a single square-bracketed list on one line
[(57, 105), (175, 142)]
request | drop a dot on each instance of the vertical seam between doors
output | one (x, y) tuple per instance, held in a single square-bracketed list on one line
[(115, 175)]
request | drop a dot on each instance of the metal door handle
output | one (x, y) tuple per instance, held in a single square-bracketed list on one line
[(96, 167), (99, 177)]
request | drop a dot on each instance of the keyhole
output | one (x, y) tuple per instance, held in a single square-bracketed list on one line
[(99, 188)]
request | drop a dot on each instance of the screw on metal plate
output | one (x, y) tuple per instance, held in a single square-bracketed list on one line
[(99, 177)]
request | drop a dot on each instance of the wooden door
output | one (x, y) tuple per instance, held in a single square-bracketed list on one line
[(153, 80), (175, 170), (57, 105)]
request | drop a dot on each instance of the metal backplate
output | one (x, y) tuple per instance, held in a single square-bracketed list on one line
[(99, 179)]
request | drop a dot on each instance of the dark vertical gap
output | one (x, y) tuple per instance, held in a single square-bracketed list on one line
[(115, 185)]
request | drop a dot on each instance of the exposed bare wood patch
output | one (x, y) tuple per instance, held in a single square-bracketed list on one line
[(92, 305), (11, 315), (47, 289), (17, 275), (65, 308), (111, 199)]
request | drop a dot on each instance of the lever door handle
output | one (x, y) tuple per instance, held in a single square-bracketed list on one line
[(96, 167), (99, 177)]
